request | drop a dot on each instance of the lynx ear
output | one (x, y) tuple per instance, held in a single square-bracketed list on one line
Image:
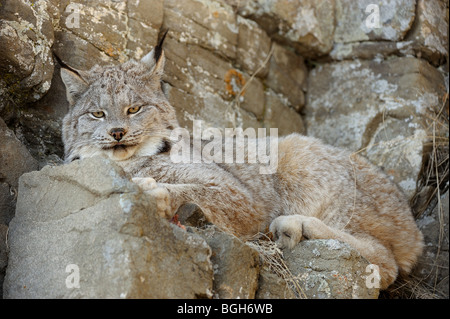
[(155, 60), (75, 85)]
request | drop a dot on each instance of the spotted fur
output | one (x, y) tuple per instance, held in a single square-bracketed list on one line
[(318, 191)]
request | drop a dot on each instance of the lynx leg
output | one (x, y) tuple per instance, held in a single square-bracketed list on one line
[(149, 185), (289, 230)]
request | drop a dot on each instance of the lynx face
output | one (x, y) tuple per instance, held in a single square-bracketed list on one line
[(117, 111)]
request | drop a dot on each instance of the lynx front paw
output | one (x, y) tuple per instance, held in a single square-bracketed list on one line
[(287, 230), (290, 230), (149, 185), (145, 183)]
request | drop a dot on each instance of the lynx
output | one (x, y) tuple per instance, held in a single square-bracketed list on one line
[(317, 192)]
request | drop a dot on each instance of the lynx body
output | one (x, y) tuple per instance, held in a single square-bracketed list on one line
[(317, 192)]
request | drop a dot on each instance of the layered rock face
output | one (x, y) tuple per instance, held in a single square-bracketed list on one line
[(370, 77)]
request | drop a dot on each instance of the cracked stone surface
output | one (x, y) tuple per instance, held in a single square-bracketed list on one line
[(88, 219)]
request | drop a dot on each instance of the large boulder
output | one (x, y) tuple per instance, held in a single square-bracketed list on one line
[(85, 36), (235, 264), (366, 20), (307, 25), (15, 160), (83, 230), (26, 62), (330, 269), (315, 269), (428, 37), (416, 29)]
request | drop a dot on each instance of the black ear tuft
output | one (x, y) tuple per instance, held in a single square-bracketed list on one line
[(158, 48), (64, 65)]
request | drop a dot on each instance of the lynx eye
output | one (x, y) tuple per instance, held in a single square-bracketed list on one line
[(134, 110), (98, 115)]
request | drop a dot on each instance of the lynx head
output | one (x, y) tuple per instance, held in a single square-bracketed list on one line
[(119, 111)]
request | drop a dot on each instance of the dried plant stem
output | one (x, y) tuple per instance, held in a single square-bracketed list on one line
[(263, 64), (273, 258)]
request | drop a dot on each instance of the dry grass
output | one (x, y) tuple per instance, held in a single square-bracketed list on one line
[(236, 103), (436, 169), (412, 288), (272, 257)]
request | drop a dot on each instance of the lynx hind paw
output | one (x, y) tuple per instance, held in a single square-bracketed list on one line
[(149, 185), (287, 230)]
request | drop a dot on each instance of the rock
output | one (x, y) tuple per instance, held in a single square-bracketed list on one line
[(279, 115), (83, 230), (426, 31), (330, 269), (199, 73), (85, 36), (369, 50), (253, 47), (307, 25), (92, 23), (192, 215), (3, 255), (26, 63), (40, 124), (145, 19), (135, 26), (287, 76), (429, 35), (211, 110), (357, 20), (271, 286), (79, 53), (209, 24), (7, 203), (275, 279), (380, 108), (252, 98), (203, 86), (236, 265), (15, 160)]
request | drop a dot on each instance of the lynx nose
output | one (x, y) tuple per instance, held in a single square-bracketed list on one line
[(117, 133)]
